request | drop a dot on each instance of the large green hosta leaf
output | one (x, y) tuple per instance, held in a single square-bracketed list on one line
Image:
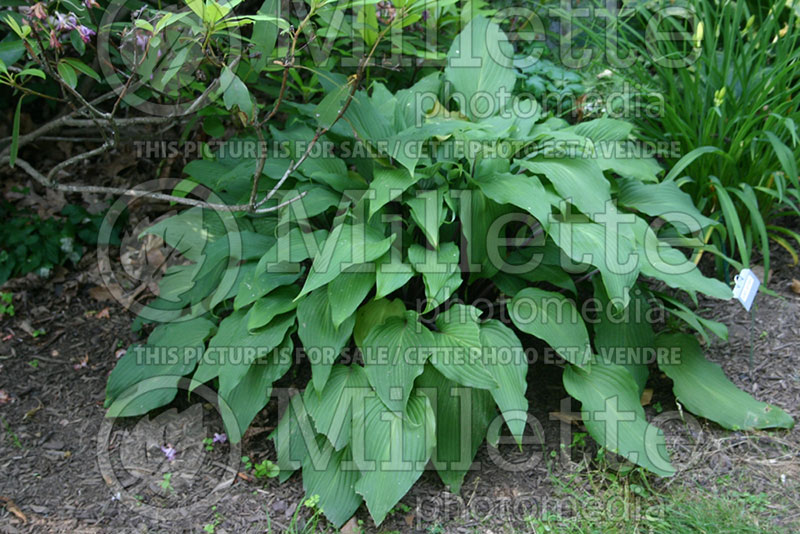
[(459, 352), (608, 247), (331, 409), (234, 348), (664, 200), (373, 314), (659, 260), (322, 340), (346, 245), (520, 190), (613, 415), (623, 337), (479, 63), (172, 351), (440, 272), (348, 290), (578, 180), (331, 475), (395, 353), (554, 319), (506, 361), (462, 416), (703, 388), (253, 391), (391, 450)]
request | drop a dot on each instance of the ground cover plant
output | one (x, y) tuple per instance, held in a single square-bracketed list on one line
[(406, 245)]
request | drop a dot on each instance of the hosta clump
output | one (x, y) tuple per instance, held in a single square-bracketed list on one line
[(414, 280)]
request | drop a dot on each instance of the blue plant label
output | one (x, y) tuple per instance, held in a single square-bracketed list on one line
[(746, 288)]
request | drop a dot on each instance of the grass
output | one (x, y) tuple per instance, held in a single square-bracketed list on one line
[(604, 503), (731, 99)]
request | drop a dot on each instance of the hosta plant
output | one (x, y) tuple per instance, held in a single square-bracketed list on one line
[(441, 233)]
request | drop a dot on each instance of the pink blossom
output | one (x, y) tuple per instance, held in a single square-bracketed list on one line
[(90, 4), (38, 10), (54, 42)]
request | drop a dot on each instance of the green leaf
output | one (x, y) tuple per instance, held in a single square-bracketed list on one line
[(375, 314), (554, 319), (621, 337), (525, 192), (329, 107), (579, 180), (146, 377), (255, 286), (265, 34), (459, 352), (390, 275), (346, 245), (348, 290), (391, 450), (80, 66), (395, 353), (427, 212), (703, 388), (322, 340), (68, 74), (235, 92), (609, 247), (234, 348), (688, 159), (480, 63), (292, 437), (440, 272), (507, 362), (12, 154), (332, 408), (659, 260), (462, 416), (328, 474), (388, 184), (785, 156), (665, 200), (270, 306), (613, 415), (253, 391), (603, 129)]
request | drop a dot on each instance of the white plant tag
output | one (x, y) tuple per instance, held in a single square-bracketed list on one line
[(746, 288)]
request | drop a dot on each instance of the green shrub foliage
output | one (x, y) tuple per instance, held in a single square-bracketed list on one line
[(444, 231)]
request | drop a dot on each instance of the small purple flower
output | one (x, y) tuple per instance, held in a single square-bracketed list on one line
[(86, 33), (169, 452), (219, 438), (425, 15), (142, 39), (90, 4), (64, 22)]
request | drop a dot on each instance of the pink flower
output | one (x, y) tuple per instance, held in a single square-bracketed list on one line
[(90, 4), (86, 33), (54, 42), (219, 438), (169, 452), (38, 11)]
